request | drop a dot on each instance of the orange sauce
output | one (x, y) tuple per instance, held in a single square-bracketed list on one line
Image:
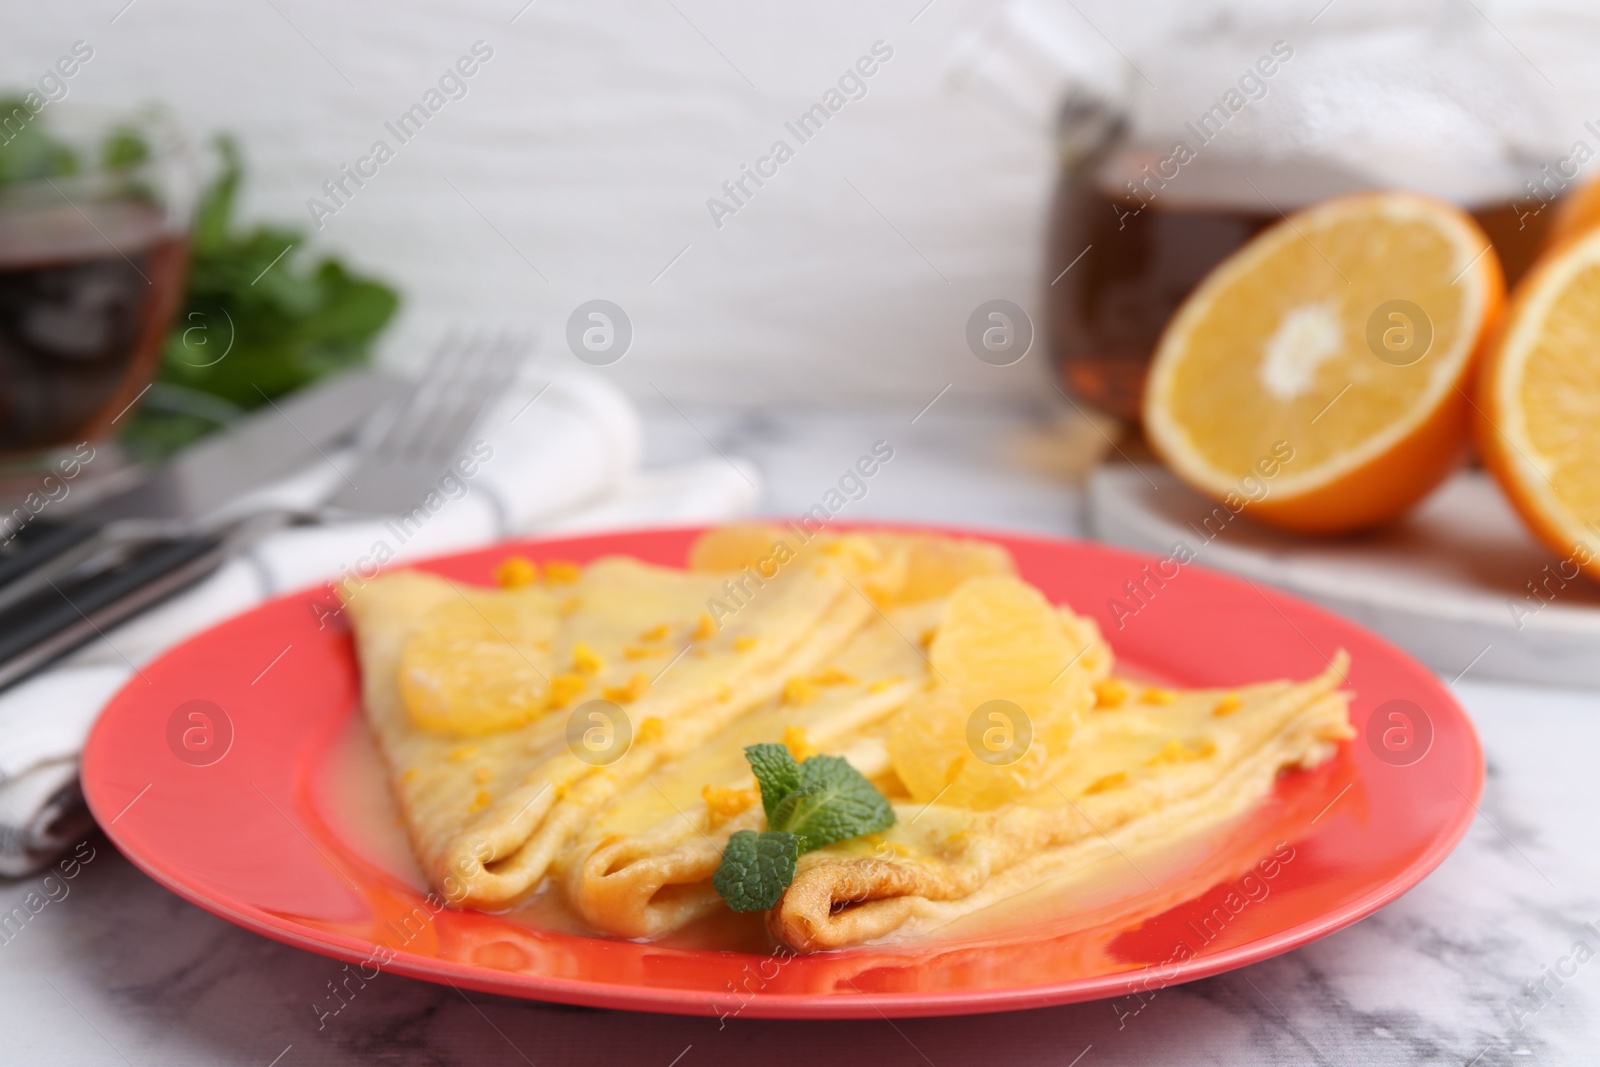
[(352, 793), (353, 796)]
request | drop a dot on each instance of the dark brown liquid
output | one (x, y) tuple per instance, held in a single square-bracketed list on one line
[(84, 308), (1106, 314)]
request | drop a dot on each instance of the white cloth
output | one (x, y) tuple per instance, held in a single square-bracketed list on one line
[(566, 462)]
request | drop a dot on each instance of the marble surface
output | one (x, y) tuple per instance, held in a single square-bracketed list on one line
[(119, 971)]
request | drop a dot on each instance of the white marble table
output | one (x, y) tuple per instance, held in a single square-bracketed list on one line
[(121, 971)]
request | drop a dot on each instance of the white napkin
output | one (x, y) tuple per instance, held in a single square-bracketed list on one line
[(555, 454)]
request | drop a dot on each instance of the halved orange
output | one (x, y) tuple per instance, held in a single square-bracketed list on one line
[(1577, 214), (1315, 376), (1538, 402)]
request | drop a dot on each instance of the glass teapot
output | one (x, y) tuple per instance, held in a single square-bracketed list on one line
[(1181, 141)]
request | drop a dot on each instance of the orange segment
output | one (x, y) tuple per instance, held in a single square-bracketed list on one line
[(936, 565), (735, 547), (928, 743), (1295, 382), (1001, 648), (1000, 639), (476, 664), (1538, 403)]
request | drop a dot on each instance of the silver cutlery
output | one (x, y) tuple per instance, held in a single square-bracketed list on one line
[(152, 541)]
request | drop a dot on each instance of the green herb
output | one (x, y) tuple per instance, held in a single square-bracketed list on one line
[(255, 323), (124, 147), (28, 151), (808, 805), (756, 869), (777, 773)]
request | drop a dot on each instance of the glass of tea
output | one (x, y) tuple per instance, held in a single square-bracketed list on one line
[(1204, 142), (95, 208)]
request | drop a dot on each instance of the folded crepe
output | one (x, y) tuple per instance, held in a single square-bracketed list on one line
[(875, 647), (1141, 772), (488, 811), (645, 867)]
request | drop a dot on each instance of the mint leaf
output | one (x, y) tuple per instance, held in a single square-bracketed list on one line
[(776, 770), (756, 868), (808, 805), (834, 802)]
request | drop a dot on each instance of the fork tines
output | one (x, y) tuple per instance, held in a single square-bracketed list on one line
[(428, 429)]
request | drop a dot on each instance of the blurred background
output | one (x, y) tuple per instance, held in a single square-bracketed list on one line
[(769, 237), (580, 159), (579, 162)]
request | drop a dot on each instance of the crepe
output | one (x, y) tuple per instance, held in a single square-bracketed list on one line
[(644, 869), (487, 815), (582, 732), (1143, 772)]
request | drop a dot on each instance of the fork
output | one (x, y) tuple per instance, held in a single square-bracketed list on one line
[(405, 451), (399, 456)]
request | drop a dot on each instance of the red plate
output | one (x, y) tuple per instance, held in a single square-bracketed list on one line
[(235, 816)]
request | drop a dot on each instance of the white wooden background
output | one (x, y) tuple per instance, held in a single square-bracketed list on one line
[(579, 164)]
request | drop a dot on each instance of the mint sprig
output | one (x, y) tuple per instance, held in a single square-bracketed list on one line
[(809, 805), (776, 772), (756, 868)]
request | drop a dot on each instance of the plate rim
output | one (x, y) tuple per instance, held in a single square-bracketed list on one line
[(677, 1001)]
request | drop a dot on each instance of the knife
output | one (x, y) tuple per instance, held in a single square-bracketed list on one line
[(58, 620), (194, 516), (71, 580), (183, 498)]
